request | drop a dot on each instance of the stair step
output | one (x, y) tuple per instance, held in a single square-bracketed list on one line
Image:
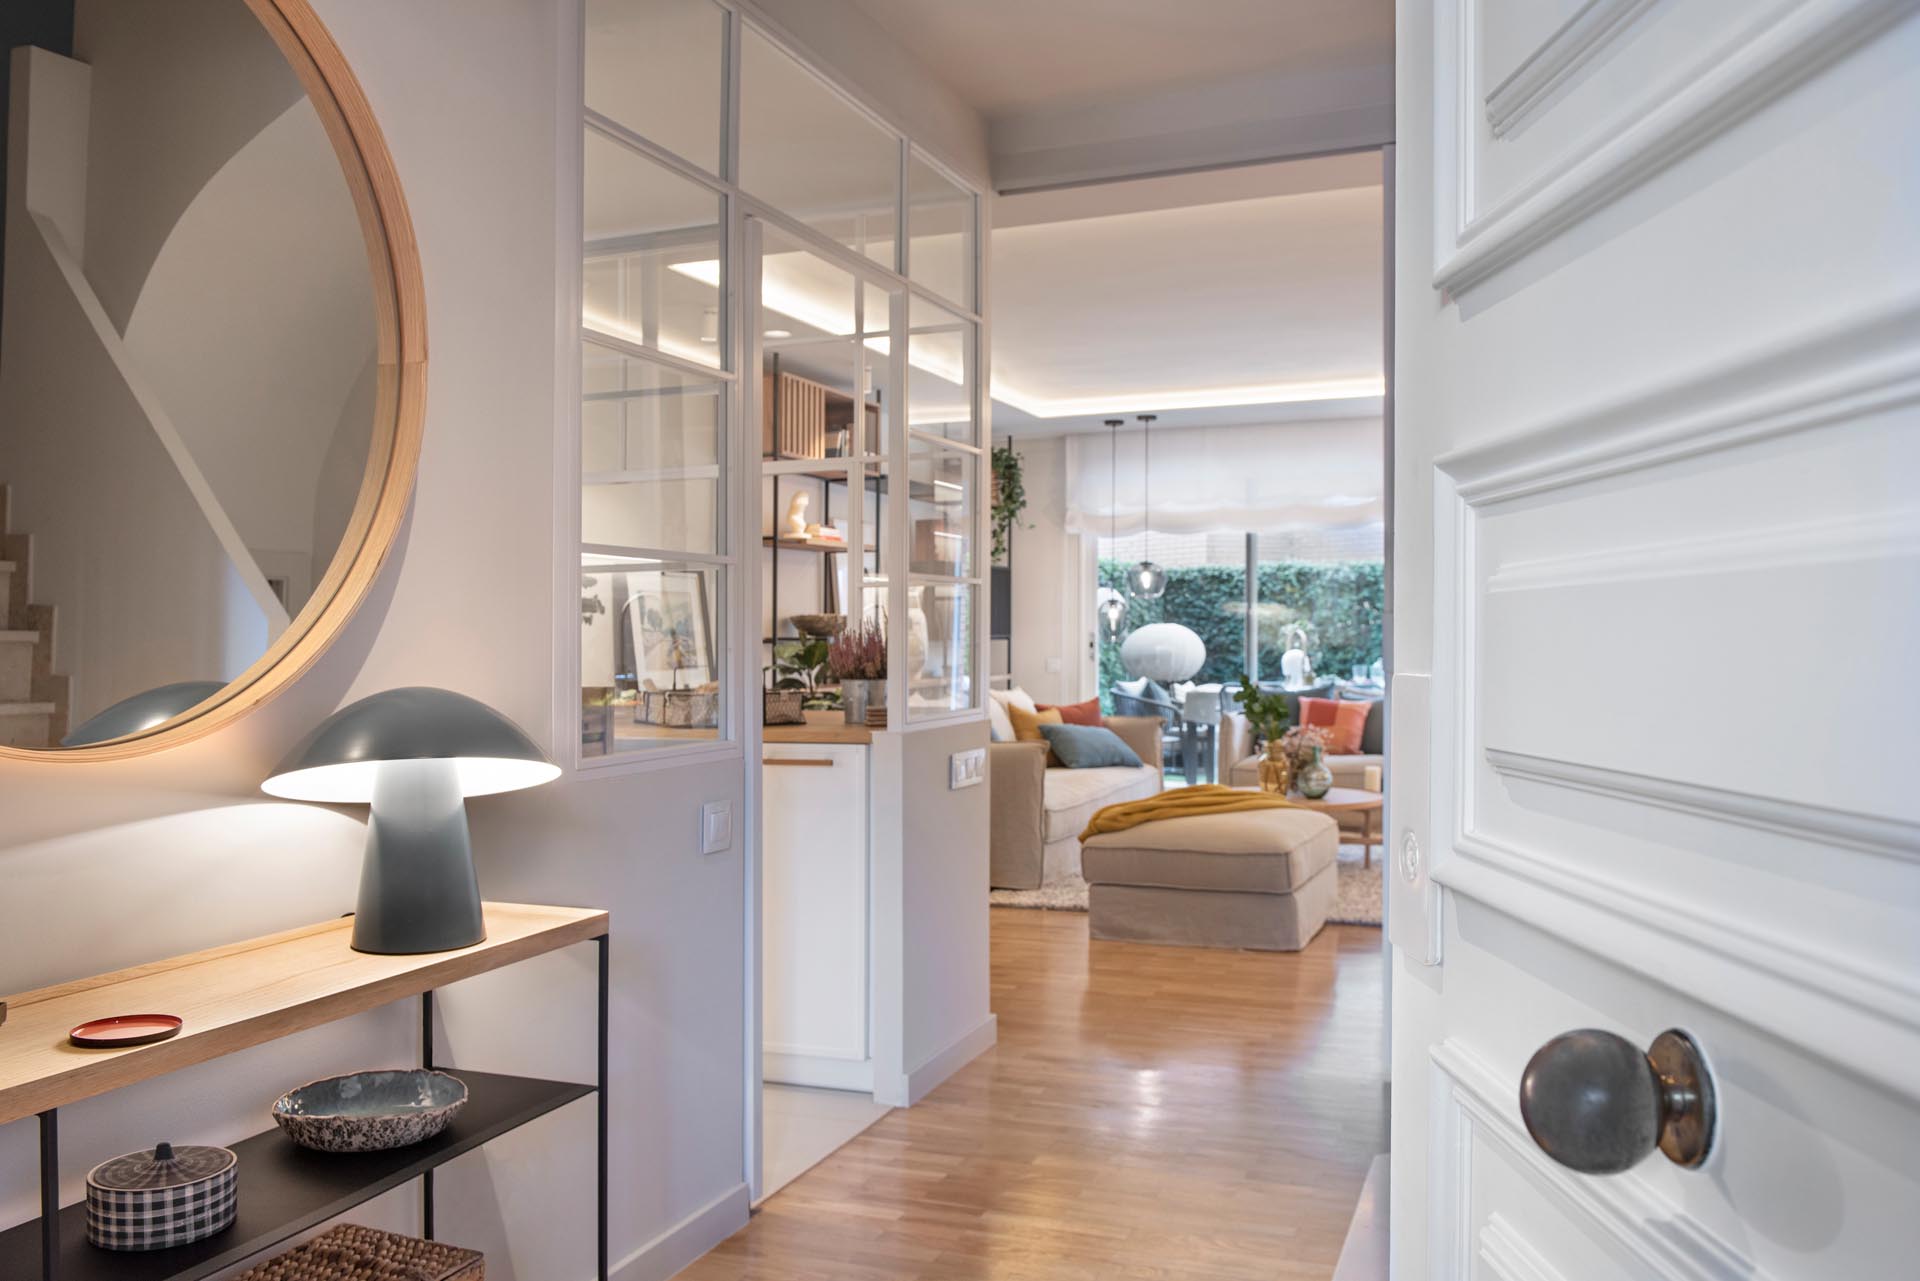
[(19, 637), (26, 709)]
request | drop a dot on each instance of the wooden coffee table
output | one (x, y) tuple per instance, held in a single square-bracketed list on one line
[(1349, 800)]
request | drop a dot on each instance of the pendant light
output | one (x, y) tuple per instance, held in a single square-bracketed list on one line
[(1147, 580), (1113, 610)]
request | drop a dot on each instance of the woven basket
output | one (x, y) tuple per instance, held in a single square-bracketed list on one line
[(785, 707), (353, 1253), (679, 708)]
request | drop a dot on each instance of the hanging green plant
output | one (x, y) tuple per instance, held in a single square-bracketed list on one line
[(1009, 497)]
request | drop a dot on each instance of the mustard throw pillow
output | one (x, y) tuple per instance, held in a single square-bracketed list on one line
[(1026, 724)]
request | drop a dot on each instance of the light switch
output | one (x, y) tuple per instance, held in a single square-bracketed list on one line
[(966, 769), (716, 827), (1053, 665)]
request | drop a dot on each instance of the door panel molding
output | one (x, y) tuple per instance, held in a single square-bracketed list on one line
[(1871, 834), (1696, 104), (1576, 42), (1820, 988), (1475, 1105), (1863, 365)]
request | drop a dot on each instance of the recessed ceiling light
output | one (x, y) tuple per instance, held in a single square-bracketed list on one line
[(778, 333)]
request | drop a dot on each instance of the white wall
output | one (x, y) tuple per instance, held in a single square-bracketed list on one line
[(1049, 573), (930, 963), (107, 865)]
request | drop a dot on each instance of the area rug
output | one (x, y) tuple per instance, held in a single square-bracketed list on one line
[(1359, 901)]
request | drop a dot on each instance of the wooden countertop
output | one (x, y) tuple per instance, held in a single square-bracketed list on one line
[(821, 727), (244, 994)]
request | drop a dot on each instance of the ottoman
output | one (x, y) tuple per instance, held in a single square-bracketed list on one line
[(1261, 879)]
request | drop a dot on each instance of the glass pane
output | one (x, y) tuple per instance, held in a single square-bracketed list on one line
[(656, 67), (944, 679), (940, 504), (811, 154), (940, 233), (652, 269), (649, 454), (940, 364), (651, 638)]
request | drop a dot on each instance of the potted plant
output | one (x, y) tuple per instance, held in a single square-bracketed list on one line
[(1009, 497), (1266, 711), (795, 681), (857, 658)]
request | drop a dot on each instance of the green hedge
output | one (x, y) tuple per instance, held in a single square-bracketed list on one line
[(1341, 603)]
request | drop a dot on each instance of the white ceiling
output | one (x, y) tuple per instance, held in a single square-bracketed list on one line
[(1006, 57), (1239, 296)]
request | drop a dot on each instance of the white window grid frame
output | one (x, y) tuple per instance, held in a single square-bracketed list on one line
[(738, 644)]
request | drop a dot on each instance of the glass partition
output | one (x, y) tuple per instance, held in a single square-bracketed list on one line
[(812, 154), (658, 67), (940, 232), (652, 259)]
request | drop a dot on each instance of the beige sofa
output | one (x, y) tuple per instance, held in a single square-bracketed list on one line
[(1236, 745), (1039, 812)]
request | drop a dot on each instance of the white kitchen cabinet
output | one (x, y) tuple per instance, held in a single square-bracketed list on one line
[(816, 962)]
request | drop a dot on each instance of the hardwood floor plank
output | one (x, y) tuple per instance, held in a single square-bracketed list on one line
[(1149, 1114)]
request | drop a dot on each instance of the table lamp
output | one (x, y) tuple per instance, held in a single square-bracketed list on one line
[(142, 711), (415, 754)]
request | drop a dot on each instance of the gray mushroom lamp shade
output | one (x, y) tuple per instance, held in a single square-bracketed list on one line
[(141, 712), (414, 754)]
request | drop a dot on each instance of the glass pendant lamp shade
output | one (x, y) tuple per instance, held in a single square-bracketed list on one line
[(1113, 617), (1146, 580)]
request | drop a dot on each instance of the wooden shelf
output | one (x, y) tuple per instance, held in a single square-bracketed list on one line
[(286, 1189), (793, 545), (242, 995)]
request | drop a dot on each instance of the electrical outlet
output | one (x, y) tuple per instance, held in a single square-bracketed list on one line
[(716, 827), (966, 769)]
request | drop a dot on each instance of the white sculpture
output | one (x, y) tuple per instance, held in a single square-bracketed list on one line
[(1164, 652), (797, 517), (1296, 669)]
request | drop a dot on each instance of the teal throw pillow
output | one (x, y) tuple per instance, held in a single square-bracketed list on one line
[(1088, 746)]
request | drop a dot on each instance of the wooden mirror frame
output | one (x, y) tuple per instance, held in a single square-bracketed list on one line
[(393, 454)]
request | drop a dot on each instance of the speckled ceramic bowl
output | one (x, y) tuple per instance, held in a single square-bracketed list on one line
[(370, 1111)]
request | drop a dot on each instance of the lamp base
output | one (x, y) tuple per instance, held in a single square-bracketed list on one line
[(418, 892)]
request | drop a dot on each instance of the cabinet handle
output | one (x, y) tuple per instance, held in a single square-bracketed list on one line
[(816, 762)]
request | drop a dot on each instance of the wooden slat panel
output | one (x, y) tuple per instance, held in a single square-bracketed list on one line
[(244, 994)]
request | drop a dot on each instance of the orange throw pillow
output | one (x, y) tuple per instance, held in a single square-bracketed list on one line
[(1026, 724), (1087, 713), (1345, 721)]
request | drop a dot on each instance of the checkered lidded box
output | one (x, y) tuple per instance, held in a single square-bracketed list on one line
[(167, 1197)]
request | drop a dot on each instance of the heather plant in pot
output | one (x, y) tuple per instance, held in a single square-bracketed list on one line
[(857, 658)]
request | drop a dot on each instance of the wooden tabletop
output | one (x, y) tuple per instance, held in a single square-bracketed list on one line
[(1340, 798), (821, 727), (241, 995)]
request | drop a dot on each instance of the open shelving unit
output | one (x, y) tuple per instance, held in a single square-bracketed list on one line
[(243, 995)]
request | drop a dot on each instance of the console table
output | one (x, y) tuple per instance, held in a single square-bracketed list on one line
[(242, 995)]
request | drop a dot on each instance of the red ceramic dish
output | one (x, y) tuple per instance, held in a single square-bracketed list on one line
[(123, 1030)]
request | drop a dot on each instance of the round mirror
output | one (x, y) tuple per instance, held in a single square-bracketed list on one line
[(212, 359)]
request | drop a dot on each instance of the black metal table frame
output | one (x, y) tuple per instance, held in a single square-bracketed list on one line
[(50, 1139)]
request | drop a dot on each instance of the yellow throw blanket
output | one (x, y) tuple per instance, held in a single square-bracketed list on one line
[(1181, 802)]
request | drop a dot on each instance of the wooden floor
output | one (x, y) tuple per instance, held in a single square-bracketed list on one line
[(1149, 1112)]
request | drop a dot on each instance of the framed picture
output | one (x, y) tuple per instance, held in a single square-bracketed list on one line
[(670, 632)]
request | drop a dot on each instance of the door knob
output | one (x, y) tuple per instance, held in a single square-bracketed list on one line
[(1597, 1104)]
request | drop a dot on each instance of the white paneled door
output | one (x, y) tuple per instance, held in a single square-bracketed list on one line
[(1656, 745)]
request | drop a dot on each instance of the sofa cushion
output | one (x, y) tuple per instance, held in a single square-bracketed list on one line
[(1087, 713), (1344, 720), (1088, 746), (999, 724), (1026, 724), (1373, 740), (1253, 851), (1072, 795)]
